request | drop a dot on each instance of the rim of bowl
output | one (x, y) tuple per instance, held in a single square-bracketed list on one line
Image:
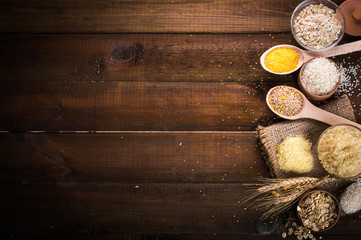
[(309, 93), (319, 160), (326, 3), (327, 193)]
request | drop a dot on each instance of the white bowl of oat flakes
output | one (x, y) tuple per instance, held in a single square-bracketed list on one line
[(317, 25)]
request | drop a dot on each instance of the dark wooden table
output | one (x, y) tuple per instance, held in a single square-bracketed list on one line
[(136, 119)]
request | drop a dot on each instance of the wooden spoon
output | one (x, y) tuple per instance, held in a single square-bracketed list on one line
[(311, 111), (305, 55)]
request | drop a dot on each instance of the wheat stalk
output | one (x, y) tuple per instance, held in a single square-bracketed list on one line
[(274, 196), (275, 183)]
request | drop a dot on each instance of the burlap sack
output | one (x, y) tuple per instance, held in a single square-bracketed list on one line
[(270, 136)]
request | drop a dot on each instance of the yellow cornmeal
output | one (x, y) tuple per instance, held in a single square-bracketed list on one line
[(294, 154), (281, 60)]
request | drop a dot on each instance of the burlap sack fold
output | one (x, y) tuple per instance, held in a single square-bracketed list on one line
[(270, 136)]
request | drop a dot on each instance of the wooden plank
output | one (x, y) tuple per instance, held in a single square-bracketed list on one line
[(149, 236), (141, 106), (155, 236), (128, 157), (137, 57), (274, 236), (125, 208), (128, 106), (110, 16), (142, 57)]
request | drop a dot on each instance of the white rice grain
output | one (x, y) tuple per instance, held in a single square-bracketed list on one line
[(320, 76), (351, 199)]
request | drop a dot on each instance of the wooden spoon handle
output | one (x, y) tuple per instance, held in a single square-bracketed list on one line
[(319, 114), (335, 51), (343, 49)]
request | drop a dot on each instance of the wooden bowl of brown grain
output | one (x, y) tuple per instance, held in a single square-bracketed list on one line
[(318, 210)]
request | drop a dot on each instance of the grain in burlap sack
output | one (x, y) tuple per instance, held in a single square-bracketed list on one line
[(270, 136)]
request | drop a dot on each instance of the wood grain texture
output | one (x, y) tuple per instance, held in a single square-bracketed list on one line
[(68, 80), (143, 57), (125, 208), (167, 107), (111, 16), (157, 236), (128, 157), (133, 106), (137, 57), (141, 106)]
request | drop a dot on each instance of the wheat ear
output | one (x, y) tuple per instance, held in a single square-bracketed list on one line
[(274, 196)]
